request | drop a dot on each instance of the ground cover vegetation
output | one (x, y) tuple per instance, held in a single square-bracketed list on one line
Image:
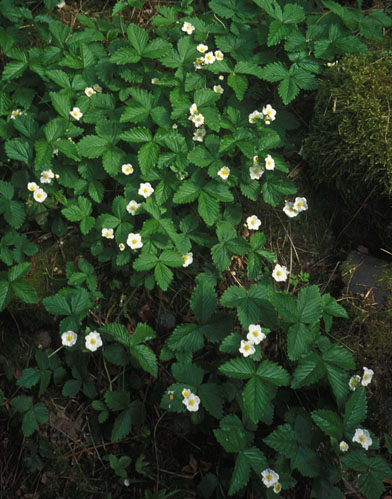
[(146, 151)]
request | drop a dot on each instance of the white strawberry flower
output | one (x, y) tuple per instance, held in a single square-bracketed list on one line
[(300, 204), (224, 172), (253, 222), (289, 209), (89, 91), (127, 169), (97, 88), (221, 77), (32, 186), (75, 113), (93, 341), (69, 338), (192, 402), (354, 382), (247, 348), (218, 89), (269, 162), (108, 233), (145, 190), (270, 477), (132, 207), (218, 55), (280, 273), (255, 172), (277, 488), (134, 241), (155, 81), (46, 177), (367, 376), (363, 438), (40, 195), (61, 4), (269, 114), (188, 28), (186, 392), (343, 446), (209, 58), (121, 246), (199, 134), (15, 113), (198, 120), (202, 48), (255, 334), (193, 110), (188, 259), (254, 116)]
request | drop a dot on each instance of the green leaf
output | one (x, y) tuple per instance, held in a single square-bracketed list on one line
[(29, 377), (232, 439), (143, 333), (19, 149), (329, 422), (240, 475), (19, 271), (92, 146), (148, 156), (338, 381), (356, 409), (138, 37), (211, 399), (122, 425), (59, 77), (239, 368), (117, 400), (37, 414), (13, 69), (256, 396), (339, 356), (309, 304), (310, 369), (125, 55), (25, 292), (239, 83), (273, 373), (208, 208), (57, 305), (256, 459), (61, 102), (119, 332), (5, 294), (22, 403), (284, 440), (186, 337), (187, 373), (356, 460), (203, 300), (163, 275), (147, 358), (299, 337)]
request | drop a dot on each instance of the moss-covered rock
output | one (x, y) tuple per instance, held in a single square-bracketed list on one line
[(349, 147)]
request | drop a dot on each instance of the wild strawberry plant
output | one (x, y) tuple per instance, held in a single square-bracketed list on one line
[(145, 144)]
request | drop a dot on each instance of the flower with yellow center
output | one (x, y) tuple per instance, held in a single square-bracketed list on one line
[(255, 334), (289, 209), (89, 91), (300, 204), (46, 177), (75, 113), (121, 246), (186, 392), (154, 81), (253, 222), (188, 259), (363, 438), (134, 241), (108, 233), (247, 348), (277, 488), (192, 402), (343, 446), (202, 48), (97, 87), (367, 376), (255, 172), (269, 163), (188, 28), (132, 207), (218, 55), (93, 341), (15, 113), (224, 172), (280, 273), (145, 190), (198, 120), (32, 186), (270, 477), (127, 169), (40, 195), (218, 89), (354, 382), (68, 338), (209, 58)]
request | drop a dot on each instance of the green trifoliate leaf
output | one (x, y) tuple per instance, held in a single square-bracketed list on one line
[(57, 305), (122, 425), (284, 440), (138, 37), (29, 377), (146, 357), (92, 146), (37, 414), (299, 337), (338, 380)]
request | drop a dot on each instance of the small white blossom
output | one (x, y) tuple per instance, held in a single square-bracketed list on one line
[(32, 186), (198, 64), (363, 438), (224, 172), (343, 446), (97, 88), (40, 195), (198, 120), (93, 341), (277, 488), (68, 339), (269, 163), (127, 169), (75, 113), (154, 81), (219, 56), (126, 482), (132, 207), (89, 91), (46, 177), (192, 402), (188, 259), (255, 160), (221, 77), (300, 204), (280, 273), (255, 172), (253, 222), (270, 477), (199, 134), (108, 233), (209, 58), (202, 48), (121, 246), (218, 89), (289, 209), (269, 114), (255, 334), (186, 392), (188, 28), (254, 116), (134, 241), (367, 376), (354, 382), (174, 126), (145, 190), (61, 4), (15, 113), (247, 348), (193, 110)]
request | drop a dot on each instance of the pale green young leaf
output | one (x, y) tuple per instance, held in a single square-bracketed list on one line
[(356, 409), (240, 475), (329, 422)]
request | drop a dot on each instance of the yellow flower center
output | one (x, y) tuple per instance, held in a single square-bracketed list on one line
[(133, 207), (362, 438), (269, 477), (246, 347), (145, 190), (93, 341), (171, 396), (191, 402), (255, 333), (278, 272), (253, 222), (39, 195), (134, 241), (69, 338)]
